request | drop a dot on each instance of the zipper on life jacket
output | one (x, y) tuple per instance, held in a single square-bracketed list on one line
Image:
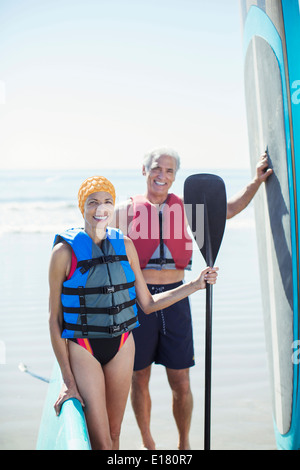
[(115, 327), (83, 311), (161, 240), (112, 297)]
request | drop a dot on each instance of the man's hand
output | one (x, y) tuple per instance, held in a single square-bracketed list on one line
[(262, 170)]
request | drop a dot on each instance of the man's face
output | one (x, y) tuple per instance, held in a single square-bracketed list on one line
[(161, 175)]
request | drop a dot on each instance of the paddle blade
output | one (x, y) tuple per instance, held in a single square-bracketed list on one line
[(206, 208)]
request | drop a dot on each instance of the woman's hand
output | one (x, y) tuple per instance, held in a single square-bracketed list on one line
[(208, 275), (66, 393)]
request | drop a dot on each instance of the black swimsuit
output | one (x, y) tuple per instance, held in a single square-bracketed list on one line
[(103, 349)]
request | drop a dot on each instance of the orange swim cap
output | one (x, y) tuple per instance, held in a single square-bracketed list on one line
[(92, 185)]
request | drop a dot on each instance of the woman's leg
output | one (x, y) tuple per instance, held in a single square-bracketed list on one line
[(90, 381), (104, 390), (118, 374)]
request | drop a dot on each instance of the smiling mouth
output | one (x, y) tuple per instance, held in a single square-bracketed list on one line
[(159, 183), (100, 218)]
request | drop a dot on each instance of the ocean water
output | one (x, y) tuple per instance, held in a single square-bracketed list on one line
[(34, 205), (44, 201)]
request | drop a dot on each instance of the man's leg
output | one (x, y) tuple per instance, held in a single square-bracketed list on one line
[(179, 381), (141, 404)]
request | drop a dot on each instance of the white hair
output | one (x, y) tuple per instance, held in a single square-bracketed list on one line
[(156, 153)]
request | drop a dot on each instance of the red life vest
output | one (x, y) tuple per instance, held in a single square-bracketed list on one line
[(160, 233)]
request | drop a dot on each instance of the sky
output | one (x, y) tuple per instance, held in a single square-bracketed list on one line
[(98, 83)]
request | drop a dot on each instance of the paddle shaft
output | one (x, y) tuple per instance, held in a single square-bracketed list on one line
[(208, 337), (208, 356), (209, 191)]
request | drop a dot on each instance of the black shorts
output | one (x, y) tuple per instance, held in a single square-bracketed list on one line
[(165, 337)]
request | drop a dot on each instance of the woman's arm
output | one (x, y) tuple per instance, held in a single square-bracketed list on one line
[(151, 303), (59, 268)]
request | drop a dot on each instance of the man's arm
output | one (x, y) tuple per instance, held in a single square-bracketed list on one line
[(241, 200)]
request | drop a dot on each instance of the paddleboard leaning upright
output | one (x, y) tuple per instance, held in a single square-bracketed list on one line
[(68, 431), (271, 45), (206, 194)]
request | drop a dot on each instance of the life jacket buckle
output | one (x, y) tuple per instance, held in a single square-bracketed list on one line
[(84, 328), (114, 310), (87, 266), (109, 289), (81, 296), (114, 329)]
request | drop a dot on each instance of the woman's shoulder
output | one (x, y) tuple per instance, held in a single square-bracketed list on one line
[(61, 260), (61, 252), (130, 249), (62, 247), (128, 243)]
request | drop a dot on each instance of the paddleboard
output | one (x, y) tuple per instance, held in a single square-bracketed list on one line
[(271, 48), (67, 431)]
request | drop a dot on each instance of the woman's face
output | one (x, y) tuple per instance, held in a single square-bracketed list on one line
[(99, 210)]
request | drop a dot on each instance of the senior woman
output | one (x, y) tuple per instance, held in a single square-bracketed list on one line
[(95, 280)]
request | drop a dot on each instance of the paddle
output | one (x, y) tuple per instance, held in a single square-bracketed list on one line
[(205, 202)]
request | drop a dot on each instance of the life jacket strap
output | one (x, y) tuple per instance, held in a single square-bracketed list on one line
[(87, 264), (102, 329), (114, 310), (163, 261), (83, 313), (96, 290)]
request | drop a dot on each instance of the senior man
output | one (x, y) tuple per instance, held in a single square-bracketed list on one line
[(165, 337)]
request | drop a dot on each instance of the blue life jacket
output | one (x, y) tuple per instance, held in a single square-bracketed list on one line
[(99, 300)]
